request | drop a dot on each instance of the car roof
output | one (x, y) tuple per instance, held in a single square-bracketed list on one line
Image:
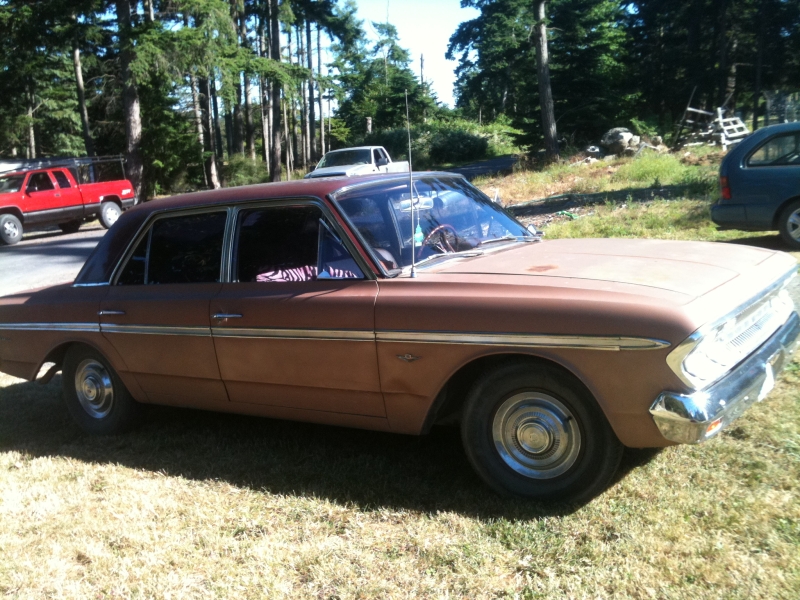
[(354, 148), (320, 188)]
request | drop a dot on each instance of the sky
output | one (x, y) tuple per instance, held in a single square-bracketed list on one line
[(424, 27)]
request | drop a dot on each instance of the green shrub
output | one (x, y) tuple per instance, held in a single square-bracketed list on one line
[(240, 170)]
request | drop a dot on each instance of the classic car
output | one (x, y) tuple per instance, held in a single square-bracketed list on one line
[(395, 303), (760, 184)]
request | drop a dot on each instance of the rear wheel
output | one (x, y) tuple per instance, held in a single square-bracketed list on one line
[(109, 213), (533, 430), (789, 224), (10, 229), (70, 226), (95, 396)]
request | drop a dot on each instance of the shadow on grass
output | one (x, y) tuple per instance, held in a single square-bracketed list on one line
[(368, 469)]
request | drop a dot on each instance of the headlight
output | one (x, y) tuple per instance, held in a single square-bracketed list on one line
[(713, 351)]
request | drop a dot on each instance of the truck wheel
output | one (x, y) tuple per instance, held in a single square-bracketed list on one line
[(70, 226), (534, 431), (789, 225), (10, 229), (95, 396), (109, 213)]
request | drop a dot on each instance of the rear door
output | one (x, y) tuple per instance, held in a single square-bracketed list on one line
[(156, 312), (294, 329), (68, 192)]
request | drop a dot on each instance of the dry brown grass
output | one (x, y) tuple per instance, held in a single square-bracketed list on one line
[(196, 505)]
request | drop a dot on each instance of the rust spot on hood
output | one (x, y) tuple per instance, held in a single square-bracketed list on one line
[(541, 268)]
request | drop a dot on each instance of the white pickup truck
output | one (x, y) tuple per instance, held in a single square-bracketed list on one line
[(351, 162)]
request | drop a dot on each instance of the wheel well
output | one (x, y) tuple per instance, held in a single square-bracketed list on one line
[(114, 199), (776, 221), (449, 402), (12, 210)]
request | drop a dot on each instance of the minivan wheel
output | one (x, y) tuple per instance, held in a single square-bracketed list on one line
[(94, 394), (789, 225), (533, 430), (10, 229)]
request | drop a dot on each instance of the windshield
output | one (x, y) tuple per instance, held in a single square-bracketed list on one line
[(12, 183), (341, 158), (450, 216)]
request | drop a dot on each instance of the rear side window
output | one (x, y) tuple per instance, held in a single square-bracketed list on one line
[(62, 180), (183, 249), (779, 151)]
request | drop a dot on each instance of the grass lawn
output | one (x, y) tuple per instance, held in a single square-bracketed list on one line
[(200, 505)]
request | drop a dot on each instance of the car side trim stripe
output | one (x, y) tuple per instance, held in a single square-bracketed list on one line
[(92, 327), (613, 343), (349, 335), (514, 340)]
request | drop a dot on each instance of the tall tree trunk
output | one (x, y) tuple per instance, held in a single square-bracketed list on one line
[(304, 123), (759, 64), (321, 113), (31, 149), (130, 97), (289, 158), (207, 129), (229, 133), (198, 122), (545, 91), (312, 117), (88, 142), (723, 52), (263, 94), (149, 13), (275, 51), (215, 109), (249, 130)]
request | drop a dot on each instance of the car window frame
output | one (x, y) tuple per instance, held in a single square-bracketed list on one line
[(327, 214), (746, 162), (147, 227), (228, 239), (47, 174), (55, 173)]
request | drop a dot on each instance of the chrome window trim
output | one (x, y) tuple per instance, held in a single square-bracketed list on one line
[(681, 351), (327, 214), (522, 340), (146, 227)]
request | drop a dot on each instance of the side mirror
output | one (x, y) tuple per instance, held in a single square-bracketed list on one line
[(382, 162)]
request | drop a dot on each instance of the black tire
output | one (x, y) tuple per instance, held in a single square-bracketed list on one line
[(533, 430), (70, 226), (109, 213), (10, 229), (789, 225), (95, 396)]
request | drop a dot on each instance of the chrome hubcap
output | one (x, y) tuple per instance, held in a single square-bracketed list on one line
[(10, 229), (536, 435), (94, 388), (794, 225)]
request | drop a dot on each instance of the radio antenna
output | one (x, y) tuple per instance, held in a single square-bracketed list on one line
[(411, 195)]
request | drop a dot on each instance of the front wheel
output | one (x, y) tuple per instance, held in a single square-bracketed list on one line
[(533, 430), (789, 225), (10, 229), (109, 213), (95, 396)]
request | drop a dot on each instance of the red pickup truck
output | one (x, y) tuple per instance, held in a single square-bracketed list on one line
[(53, 196)]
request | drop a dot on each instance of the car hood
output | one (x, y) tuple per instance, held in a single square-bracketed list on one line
[(692, 269), (341, 171)]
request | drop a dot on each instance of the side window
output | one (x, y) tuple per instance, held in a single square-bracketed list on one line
[(376, 155), (289, 243), (782, 150), (61, 178), (40, 182), (183, 249)]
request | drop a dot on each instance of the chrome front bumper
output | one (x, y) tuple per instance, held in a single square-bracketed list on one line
[(693, 418)]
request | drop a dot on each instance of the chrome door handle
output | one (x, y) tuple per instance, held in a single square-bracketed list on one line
[(108, 313), (227, 316)]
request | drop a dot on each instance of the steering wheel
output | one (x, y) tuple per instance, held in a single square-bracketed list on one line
[(439, 229)]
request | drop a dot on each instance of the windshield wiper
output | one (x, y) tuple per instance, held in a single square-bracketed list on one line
[(507, 238)]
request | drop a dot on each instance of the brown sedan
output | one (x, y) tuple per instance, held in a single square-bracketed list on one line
[(379, 304)]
